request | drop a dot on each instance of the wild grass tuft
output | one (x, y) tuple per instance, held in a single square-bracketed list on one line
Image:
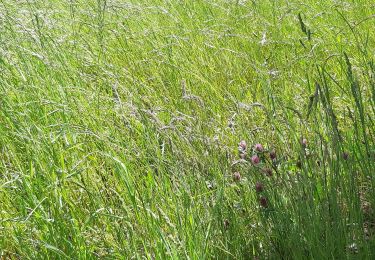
[(121, 125)]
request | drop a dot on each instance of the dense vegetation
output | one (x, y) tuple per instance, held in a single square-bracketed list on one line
[(121, 125)]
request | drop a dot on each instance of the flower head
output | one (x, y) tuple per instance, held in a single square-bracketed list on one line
[(255, 159), (345, 156), (242, 145), (258, 148), (236, 176)]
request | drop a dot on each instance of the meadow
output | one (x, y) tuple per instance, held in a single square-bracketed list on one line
[(187, 129)]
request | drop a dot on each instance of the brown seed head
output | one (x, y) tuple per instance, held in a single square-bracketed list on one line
[(267, 171), (273, 155), (263, 202), (259, 187)]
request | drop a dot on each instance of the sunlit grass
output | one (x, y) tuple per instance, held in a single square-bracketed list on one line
[(120, 126)]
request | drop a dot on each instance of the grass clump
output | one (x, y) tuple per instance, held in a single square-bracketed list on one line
[(121, 125)]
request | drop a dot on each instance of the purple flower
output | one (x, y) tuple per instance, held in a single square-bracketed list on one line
[(255, 159), (345, 156), (258, 148), (236, 176)]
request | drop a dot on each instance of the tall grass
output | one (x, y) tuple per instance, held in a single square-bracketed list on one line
[(120, 123)]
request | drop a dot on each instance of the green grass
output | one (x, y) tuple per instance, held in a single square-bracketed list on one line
[(120, 123)]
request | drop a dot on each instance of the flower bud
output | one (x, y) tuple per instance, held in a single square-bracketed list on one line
[(242, 145), (255, 159), (258, 148), (236, 176)]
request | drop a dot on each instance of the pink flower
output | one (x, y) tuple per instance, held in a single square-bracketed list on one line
[(259, 187), (242, 145), (236, 176), (255, 159), (258, 148), (304, 142)]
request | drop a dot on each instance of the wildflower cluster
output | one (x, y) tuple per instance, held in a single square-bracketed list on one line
[(259, 158), (267, 162)]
